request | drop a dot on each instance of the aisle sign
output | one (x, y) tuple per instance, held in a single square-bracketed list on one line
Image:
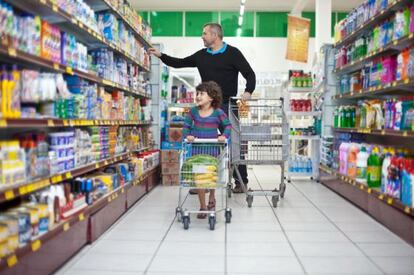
[(298, 39)]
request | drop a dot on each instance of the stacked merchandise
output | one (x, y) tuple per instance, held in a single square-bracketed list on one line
[(182, 95), (299, 79), (170, 167), (46, 209), (173, 132)]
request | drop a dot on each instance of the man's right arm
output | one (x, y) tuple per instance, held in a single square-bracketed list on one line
[(188, 61)]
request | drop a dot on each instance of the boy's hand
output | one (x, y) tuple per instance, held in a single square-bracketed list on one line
[(221, 139), (190, 138)]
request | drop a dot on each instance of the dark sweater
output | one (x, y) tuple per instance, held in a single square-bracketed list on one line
[(222, 68)]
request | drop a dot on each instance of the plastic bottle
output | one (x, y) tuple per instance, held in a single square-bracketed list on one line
[(362, 163), (407, 184), (384, 171), (343, 158), (352, 160), (15, 93), (398, 115), (336, 118), (374, 169)]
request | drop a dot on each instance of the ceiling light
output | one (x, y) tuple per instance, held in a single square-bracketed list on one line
[(239, 31), (240, 20), (241, 10), (243, 2)]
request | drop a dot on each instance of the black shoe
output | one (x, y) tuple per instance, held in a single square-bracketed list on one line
[(195, 191)]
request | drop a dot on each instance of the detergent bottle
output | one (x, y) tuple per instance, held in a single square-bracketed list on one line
[(343, 158), (388, 153), (374, 169), (362, 163), (352, 160)]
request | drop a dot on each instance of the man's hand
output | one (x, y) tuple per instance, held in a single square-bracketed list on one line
[(246, 96), (190, 138), (155, 52), (221, 138)]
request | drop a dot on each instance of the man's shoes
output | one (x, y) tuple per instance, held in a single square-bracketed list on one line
[(238, 189), (195, 191)]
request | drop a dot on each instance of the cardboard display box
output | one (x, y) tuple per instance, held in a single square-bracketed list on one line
[(171, 179), (170, 156), (170, 168), (175, 134)]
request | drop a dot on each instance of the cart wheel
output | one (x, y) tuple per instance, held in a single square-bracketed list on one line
[(186, 222), (229, 191), (275, 200), (289, 181), (282, 190), (212, 222), (311, 178), (178, 214), (228, 215), (249, 200)]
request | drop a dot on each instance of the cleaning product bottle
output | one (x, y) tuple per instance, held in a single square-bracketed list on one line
[(362, 163), (407, 184), (398, 116), (388, 153), (15, 93), (352, 160), (374, 169), (343, 158)]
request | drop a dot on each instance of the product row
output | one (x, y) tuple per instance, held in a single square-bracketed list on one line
[(37, 155), (301, 80), (32, 94), (375, 114), (36, 36), (359, 16), (390, 169), (382, 71), (398, 26), (42, 211), (300, 164)]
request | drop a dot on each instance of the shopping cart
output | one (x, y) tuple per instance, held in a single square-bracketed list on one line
[(259, 136), (204, 164)]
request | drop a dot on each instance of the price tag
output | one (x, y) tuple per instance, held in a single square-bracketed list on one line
[(395, 42), (30, 188), (57, 179), (69, 70), (407, 81), (11, 261), (361, 187), (381, 197), (3, 123), (12, 52), (54, 8), (9, 195), (369, 190), (106, 82), (389, 201), (80, 25), (43, 2), (66, 226), (23, 190), (36, 245), (122, 190), (74, 21), (407, 209), (81, 217), (68, 175), (56, 66), (405, 133), (394, 83), (411, 35), (96, 166), (109, 199), (50, 123), (105, 162)]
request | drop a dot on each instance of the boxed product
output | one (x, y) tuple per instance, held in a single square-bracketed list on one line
[(165, 145), (171, 179), (171, 156), (170, 168), (175, 134)]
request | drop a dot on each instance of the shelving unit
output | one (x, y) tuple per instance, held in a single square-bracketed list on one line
[(61, 242), (390, 211)]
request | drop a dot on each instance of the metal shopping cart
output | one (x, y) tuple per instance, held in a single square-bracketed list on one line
[(259, 137), (204, 164)]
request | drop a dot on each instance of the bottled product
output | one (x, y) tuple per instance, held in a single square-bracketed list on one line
[(374, 169), (343, 158), (362, 164), (352, 160), (407, 183), (388, 153)]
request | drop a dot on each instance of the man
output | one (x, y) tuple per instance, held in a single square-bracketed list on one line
[(221, 63)]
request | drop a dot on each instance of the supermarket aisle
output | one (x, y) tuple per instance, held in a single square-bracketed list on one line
[(313, 231)]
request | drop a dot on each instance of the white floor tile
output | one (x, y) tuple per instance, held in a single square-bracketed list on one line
[(134, 235), (374, 237), (339, 265), (296, 236), (256, 236), (275, 265), (246, 226), (201, 248), (395, 265), (257, 249), (327, 249), (364, 226), (113, 262), (125, 247), (186, 263), (309, 226), (195, 234), (100, 272), (387, 250)]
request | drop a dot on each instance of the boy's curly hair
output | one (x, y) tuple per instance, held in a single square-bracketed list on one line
[(213, 90)]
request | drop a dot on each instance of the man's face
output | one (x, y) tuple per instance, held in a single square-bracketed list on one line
[(208, 37)]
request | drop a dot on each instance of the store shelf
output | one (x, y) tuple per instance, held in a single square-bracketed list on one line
[(315, 113), (375, 20), (32, 122), (373, 192), (12, 261), (390, 133), (392, 48), (29, 60), (304, 137), (55, 15), (299, 90), (392, 89), (9, 192)]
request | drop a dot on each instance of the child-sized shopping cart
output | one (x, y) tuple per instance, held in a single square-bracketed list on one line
[(259, 137), (204, 164)]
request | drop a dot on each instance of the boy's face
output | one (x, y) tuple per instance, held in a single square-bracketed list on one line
[(203, 99)]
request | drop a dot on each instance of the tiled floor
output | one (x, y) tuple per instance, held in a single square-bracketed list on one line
[(313, 231)]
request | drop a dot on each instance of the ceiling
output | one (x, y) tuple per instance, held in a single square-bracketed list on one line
[(232, 5)]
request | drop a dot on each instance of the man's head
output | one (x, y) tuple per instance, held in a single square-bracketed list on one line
[(212, 33)]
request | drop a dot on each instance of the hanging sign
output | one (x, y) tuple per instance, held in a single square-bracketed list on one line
[(298, 39)]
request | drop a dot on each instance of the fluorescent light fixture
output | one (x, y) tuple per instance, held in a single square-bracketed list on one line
[(243, 2), (238, 31), (154, 13), (240, 20), (241, 10)]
